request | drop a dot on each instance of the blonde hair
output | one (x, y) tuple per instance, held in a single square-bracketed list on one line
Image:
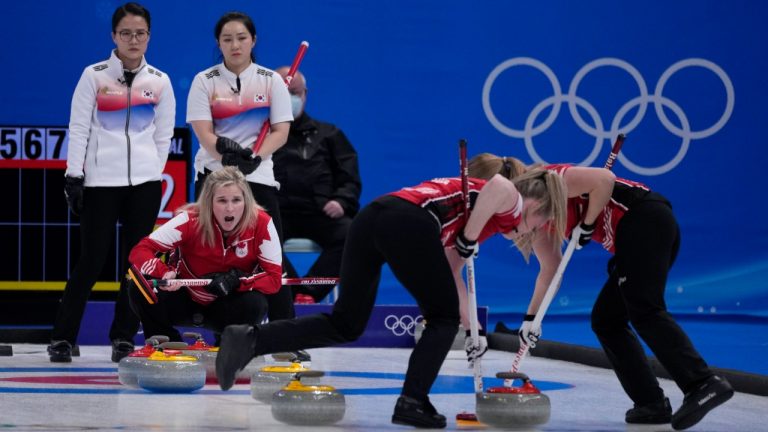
[(533, 183), (203, 208), (550, 191), (486, 165)]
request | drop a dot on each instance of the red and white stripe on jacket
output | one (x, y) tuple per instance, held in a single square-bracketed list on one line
[(256, 252), (443, 199), (608, 220)]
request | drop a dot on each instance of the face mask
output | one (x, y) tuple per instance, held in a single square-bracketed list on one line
[(296, 105)]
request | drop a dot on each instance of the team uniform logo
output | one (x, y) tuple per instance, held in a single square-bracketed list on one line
[(260, 98), (241, 250), (107, 91), (148, 94)]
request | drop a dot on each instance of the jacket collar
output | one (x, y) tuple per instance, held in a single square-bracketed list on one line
[(220, 235), (303, 123), (246, 235), (116, 65), (230, 76)]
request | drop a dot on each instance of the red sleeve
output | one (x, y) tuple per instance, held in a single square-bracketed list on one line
[(164, 239), (268, 272), (144, 257)]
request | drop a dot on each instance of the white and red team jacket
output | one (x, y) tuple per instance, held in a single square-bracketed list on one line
[(238, 114), (625, 192), (256, 252), (442, 198), (119, 135)]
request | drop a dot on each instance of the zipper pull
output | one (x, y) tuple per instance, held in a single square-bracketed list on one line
[(239, 96)]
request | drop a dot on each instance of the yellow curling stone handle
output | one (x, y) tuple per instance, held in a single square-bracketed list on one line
[(296, 385), (161, 356), (292, 368)]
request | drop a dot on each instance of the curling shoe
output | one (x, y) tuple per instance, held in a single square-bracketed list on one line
[(652, 413), (701, 400), (411, 412), (60, 351), (236, 350), (121, 348)]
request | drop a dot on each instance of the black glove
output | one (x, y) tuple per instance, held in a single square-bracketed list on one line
[(232, 154), (244, 162), (224, 283), (466, 248), (585, 234), (475, 352), (528, 335), (225, 145), (73, 192)]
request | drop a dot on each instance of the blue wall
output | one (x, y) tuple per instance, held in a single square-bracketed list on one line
[(406, 80)]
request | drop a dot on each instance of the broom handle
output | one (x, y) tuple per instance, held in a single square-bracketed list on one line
[(554, 285)]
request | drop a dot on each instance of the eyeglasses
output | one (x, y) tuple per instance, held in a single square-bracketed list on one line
[(127, 35)]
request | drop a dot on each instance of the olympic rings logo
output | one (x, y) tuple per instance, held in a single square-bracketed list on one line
[(399, 326), (598, 131)]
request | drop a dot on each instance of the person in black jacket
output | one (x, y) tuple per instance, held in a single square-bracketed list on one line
[(319, 188)]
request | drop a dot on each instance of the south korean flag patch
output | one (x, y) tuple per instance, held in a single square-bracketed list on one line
[(260, 98), (148, 94)]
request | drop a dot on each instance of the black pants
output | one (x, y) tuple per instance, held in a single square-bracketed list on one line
[(280, 303), (329, 234), (136, 207), (647, 242), (393, 231), (178, 308)]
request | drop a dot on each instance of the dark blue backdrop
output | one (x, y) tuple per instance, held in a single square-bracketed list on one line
[(405, 80)]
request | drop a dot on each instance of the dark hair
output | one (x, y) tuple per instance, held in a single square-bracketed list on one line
[(236, 16), (130, 9)]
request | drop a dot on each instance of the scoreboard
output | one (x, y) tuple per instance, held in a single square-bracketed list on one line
[(39, 235)]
